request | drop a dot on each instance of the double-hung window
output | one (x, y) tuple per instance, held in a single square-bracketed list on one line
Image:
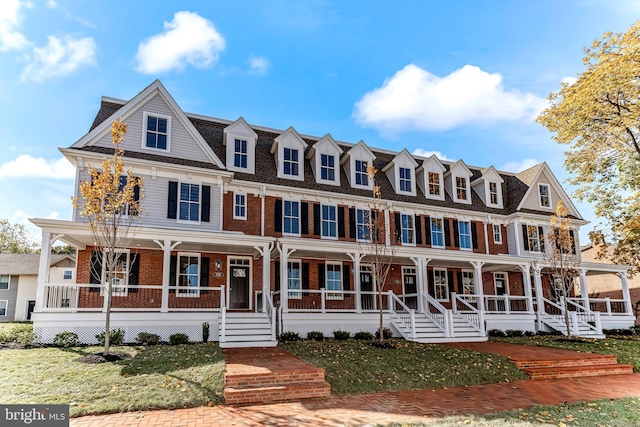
[(291, 217), (4, 282), (329, 221), (468, 283), (240, 206), (497, 234), (294, 279), (67, 275), (3, 307), (327, 167), (334, 280), (464, 231), (408, 235), (434, 183), (291, 162), (240, 154), (119, 274), (461, 188), (493, 193), (534, 238), (437, 233), (189, 202), (545, 200), (188, 274), (405, 180), (157, 133), (362, 177), (363, 224), (440, 284)]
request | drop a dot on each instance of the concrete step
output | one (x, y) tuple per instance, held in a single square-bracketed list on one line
[(246, 344), (247, 337), (248, 395)]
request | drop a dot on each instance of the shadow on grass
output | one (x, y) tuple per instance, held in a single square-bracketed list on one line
[(163, 359)]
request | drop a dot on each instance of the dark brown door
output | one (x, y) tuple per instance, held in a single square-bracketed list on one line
[(366, 285), (239, 288)]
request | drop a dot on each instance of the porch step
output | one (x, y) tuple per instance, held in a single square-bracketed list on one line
[(577, 371), (246, 330), (249, 395), (426, 331), (583, 329)]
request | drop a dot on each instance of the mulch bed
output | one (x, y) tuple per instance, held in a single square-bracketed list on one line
[(101, 358)]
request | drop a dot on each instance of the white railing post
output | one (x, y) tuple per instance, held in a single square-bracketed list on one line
[(574, 322), (598, 322), (481, 321), (507, 304), (323, 299), (223, 315), (449, 324), (454, 306), (390, 300), (607, 301), (413, 323)]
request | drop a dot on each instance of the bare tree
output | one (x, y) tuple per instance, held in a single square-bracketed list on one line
[(111, 201)]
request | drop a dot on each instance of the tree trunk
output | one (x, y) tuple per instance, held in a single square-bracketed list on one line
[(566, 315), (380, 329), (108, 318)]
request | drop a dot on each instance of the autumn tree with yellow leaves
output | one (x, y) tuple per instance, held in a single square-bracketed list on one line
[(598, 118), (111, 202)]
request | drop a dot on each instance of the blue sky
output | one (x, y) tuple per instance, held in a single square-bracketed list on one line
[(461, 78)]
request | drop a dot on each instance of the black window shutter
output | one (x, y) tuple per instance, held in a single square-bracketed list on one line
[(304, 218), (352, 223), (134, 269), (341, 228), (541, 237), (427, 230), (321, 282), (456, 234), (136, 198), (418, 226), (205, 207), (374, 225), (525, 237), (204, 273), (447, 233), (172, 200), (96, 270), (346, 277), (277, 213), (450, 281), (573, 242), (173, 269), (396, 218), (316, 219), (474, 235), (277, 275), (305, 278)]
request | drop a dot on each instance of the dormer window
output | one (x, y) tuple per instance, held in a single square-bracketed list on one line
[(290, 162), (157, 131), (461, 188), (327, 167), (362, 177), (545, 198), (493, 193), (240, 140), (288, 149), (405, 180), (240, 154), (434, 184)]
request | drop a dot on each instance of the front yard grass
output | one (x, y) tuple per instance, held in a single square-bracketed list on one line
[(353, 367), (156, 377)]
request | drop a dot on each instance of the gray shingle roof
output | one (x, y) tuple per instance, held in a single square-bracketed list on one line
[(24, 264)]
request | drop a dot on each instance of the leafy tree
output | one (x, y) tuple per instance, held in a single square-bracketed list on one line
[(113, 212), (15, 239), (63, 250), (597, 117)]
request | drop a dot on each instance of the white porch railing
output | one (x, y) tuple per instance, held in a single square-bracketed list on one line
[(579, 316), (323, 300), (461, 305), (223, 316), (506, 304), (404, 314), (438, 314), (591, 318), (606, 306), (271, 314)]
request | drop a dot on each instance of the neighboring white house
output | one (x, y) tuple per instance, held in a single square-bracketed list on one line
[(19, 280)]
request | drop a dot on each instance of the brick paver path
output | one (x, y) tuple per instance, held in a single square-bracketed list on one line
[(517, 352)]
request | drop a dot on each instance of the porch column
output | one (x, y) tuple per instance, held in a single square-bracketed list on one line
[(43, 269), (166, 247), (420, 264), (477, 279), (537, 278), (265, 252), (526, 284), (284, 282), (487, 227), (625, 291), (356, 257), (583, 288), (516, 224)]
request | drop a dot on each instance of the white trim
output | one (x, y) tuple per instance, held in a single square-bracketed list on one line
[(498, 193), (284, 233), (8, 282), (506, 282), (454, 184), (473, 280), (250, 290), (544, 184), (366, 224), (412, 229), (493, 232), (127, 273), (405, 272), (235, 205), (240, 130), (6, 307), (145, 117), (446, 284), (292, 293), (189, 221), (444, 241), (339, 296), (322, 220), (470, 248), (185, 292)]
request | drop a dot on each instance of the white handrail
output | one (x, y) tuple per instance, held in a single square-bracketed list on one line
[(403, 313), (438, 317), (573, 316), (223, 316), (586, 315), (271, 314), (475, 318)]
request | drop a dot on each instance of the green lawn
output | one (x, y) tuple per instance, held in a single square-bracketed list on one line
[(353, 367), (156, 377)]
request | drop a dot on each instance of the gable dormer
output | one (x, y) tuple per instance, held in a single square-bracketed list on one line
[(457, 182), (240, 140), (544, 191), (325, 160), (489, 187), (430, 177), (355, 163), (401, 172), (288, 149)]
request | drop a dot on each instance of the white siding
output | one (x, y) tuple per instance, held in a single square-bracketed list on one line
[(479, 189), (533, 200), (26, 291)]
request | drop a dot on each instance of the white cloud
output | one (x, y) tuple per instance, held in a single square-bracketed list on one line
[(59, 58), (26, 166), (569, 80), (188, 39), (259, 65), (10, 18), (519, 165), (428, 153), (414, 99), (52, 4)]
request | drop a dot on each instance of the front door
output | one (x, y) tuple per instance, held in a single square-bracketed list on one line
[(366, 285), (239, 288), (30, 306), (410, 287)]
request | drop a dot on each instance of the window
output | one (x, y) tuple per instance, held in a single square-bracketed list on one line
[(67, 275), (157, 135), (3, 307), (405, 180), (362, 177), (294, 279), (501, 281), (329, 221), (188, 274), (464, 230), (119, 275), (363, 222), (545, 199), (437, 233), (497, 234), (461, 188), (534, 238), (189, 202), (240, 206), (493, 193), (334, 281), (327, 167), (434, 183), (240, 154), (290, 162), (291, 217), (440, 285), (4, 282), (407, 229), (468, 283)]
